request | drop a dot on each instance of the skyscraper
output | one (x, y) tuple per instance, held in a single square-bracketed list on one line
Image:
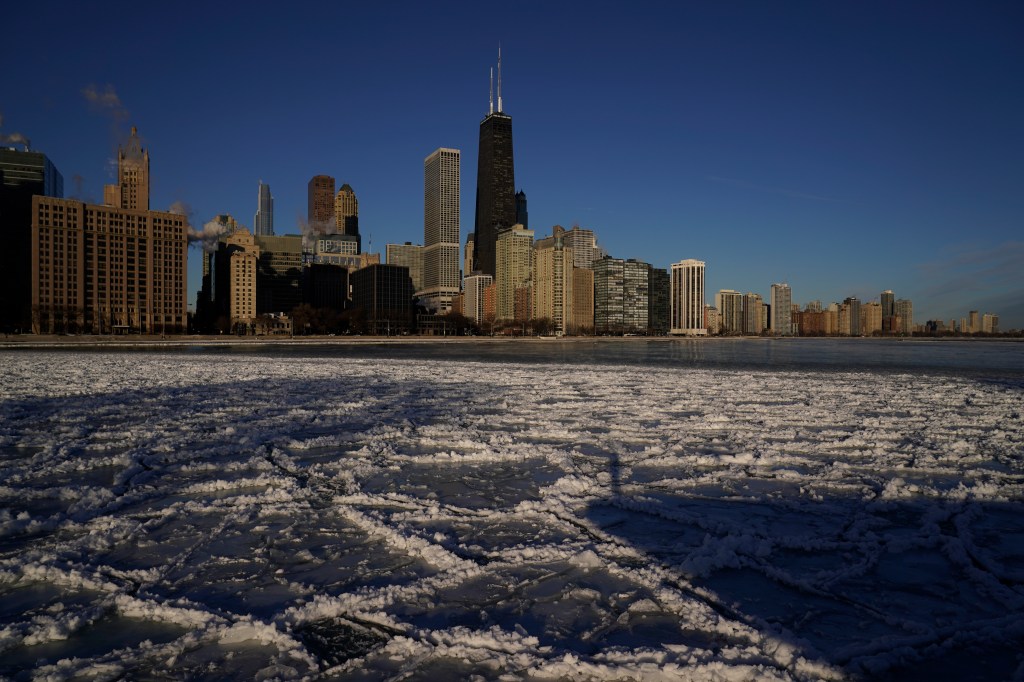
[(441, 229), (584, 246), (320, 202), (853, 304), (346, 210), (688, 298), (263, 223), (495, 183), (730, 311), (782, 309), (409, 255), (522, 214), (132, 190)]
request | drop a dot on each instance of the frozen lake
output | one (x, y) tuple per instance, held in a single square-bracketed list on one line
[(518, 511)]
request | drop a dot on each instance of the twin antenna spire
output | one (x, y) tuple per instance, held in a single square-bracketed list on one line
[(491, 99)]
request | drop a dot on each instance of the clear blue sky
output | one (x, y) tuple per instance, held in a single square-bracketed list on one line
[(843, 147)]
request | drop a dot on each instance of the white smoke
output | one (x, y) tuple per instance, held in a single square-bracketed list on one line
[(106, 102), (211, 232)]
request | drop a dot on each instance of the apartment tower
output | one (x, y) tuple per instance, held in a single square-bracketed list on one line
[(320, 203), (688, 298)]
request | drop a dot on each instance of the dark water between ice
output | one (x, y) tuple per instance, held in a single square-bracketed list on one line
[(989, 359)]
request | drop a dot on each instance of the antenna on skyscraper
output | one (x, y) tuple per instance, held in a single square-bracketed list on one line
[(499, 78), (490, 97)]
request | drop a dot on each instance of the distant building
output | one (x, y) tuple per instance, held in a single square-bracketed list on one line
[(467, 259), (730, 311), (234, 280), (870, 318), (753, 314), (853, 313), (974, 324), (320, 203), (688, 298), (263, 222), (346, 211), (782, 308), (474, 296), (522, 215), (383, 295), (132, 188), (582, 301), (584, 247), (712, 320), (513, 268), (495, 184), (609, 296), (111, 268), (278, 273), (888, 303), (408, 255), (659, 308), (635, 298), (990, 323), (552, 281), (326, 286), (440, 229), (22, 175)]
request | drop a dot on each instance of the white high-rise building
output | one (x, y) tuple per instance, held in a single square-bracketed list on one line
[(473, 307), (441, 172), (688, 298), (263, 223), (781, 310)]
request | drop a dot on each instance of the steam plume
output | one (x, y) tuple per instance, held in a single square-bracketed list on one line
[(211, 232), (106, 102)]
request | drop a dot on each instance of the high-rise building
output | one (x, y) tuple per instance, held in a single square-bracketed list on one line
[(712, 320), (408, 255), (635, 297), (584, 247), (234, 280), (513, 269), (854, 316), (552, 281), (263, 223), (467, 259), (132, 188), (888, 303), (320, 203), (582, 301), (990, 323), (109, 268), (870, 318), (905, 312), (440, 229), (22, 175), (753, 314), (278, 274), (103, 269), (608, 296), (730, 311), (495, 183), (974, 324), (522, 215), (688, 298), (346, 211), (473, 308), (782, 310), (659, 296)]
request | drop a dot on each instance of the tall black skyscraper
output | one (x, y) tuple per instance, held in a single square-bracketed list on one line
[(495, 182), (522, 215)]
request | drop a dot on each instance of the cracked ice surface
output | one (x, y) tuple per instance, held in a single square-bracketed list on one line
[(173, 515)]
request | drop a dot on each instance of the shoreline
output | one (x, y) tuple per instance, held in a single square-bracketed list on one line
[(27, 341)]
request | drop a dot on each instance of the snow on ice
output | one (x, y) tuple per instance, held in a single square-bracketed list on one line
[(169, 516)]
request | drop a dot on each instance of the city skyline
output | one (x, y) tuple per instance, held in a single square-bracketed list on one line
[(843, 149)]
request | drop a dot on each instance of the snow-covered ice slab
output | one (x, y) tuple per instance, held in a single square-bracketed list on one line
[(188, 516)]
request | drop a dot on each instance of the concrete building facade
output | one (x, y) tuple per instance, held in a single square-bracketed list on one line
[(408, 255), (513, 268)]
